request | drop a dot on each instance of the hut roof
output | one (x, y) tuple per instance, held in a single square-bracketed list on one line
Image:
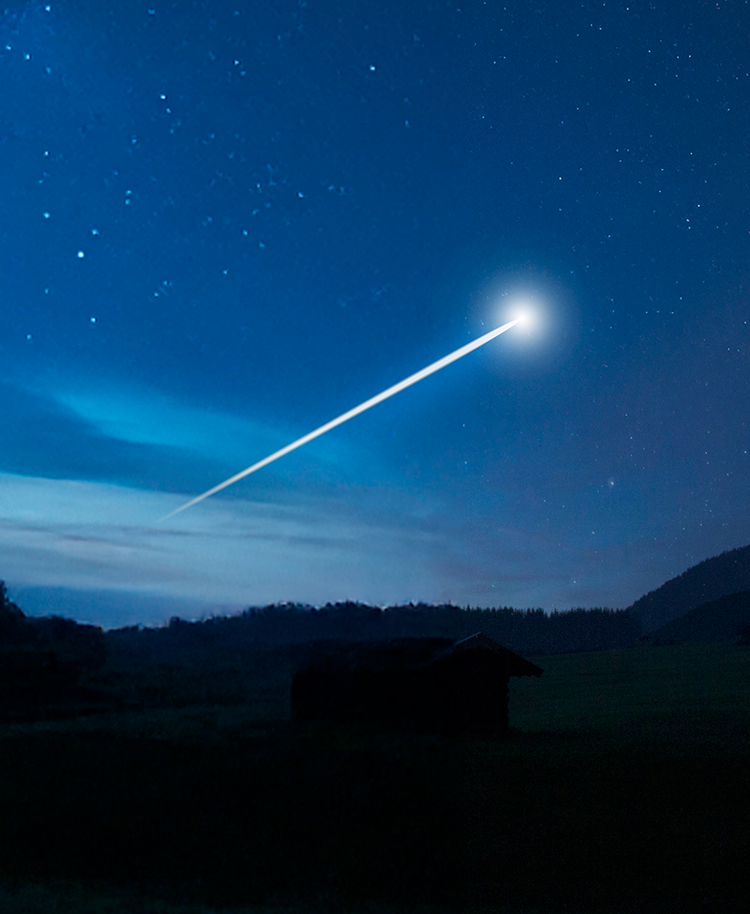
[(517, 665), (415, 653)]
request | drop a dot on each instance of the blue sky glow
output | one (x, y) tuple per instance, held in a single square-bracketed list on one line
[(224, 224)]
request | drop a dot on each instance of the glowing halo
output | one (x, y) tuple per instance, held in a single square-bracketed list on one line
[(525, 316), (526, 311)]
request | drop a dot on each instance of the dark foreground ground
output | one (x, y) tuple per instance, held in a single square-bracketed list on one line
[(623, 787)]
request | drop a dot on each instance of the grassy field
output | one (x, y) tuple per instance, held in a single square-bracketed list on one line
[(623, 787), (687, 695), (64, 897)]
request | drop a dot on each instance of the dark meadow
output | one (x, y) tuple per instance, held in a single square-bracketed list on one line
[(165, 766)]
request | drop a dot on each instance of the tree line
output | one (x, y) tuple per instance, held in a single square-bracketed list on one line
[(526, 631)]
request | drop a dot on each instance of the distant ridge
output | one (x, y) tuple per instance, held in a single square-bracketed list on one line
[(725, 619), (720, 576)]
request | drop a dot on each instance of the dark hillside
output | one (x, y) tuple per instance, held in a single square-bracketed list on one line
[(716, 577), (725, 619)]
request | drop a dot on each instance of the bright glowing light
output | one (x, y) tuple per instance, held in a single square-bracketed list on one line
[(344, 417), (525, 318), (525, 313)]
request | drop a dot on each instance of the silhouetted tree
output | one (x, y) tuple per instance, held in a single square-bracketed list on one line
[(15, 629), (77, 648)]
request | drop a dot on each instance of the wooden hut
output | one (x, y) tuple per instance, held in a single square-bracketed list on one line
[(421, 683)]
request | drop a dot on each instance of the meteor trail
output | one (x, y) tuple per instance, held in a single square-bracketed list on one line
[(345, 417)]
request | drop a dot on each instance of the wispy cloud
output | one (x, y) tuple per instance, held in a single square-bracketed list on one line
[(89, 472), (369, 545), (145, 416), (137, 416), (44, 437), (97, 535), (140, 437)]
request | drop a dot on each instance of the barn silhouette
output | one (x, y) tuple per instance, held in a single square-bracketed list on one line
[(421, 683)]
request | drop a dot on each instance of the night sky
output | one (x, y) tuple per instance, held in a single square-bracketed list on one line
[(225, 223)]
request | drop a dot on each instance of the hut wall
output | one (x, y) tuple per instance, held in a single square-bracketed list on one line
[(397, 697), (457, 697), (428, 684), (478, 693)]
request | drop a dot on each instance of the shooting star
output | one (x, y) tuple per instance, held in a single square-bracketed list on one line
[(345, 417)]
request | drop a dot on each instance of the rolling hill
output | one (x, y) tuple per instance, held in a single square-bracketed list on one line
[(720, 576), (720, 620)]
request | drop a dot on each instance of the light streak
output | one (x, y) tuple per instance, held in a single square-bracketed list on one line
[(345, 417)]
